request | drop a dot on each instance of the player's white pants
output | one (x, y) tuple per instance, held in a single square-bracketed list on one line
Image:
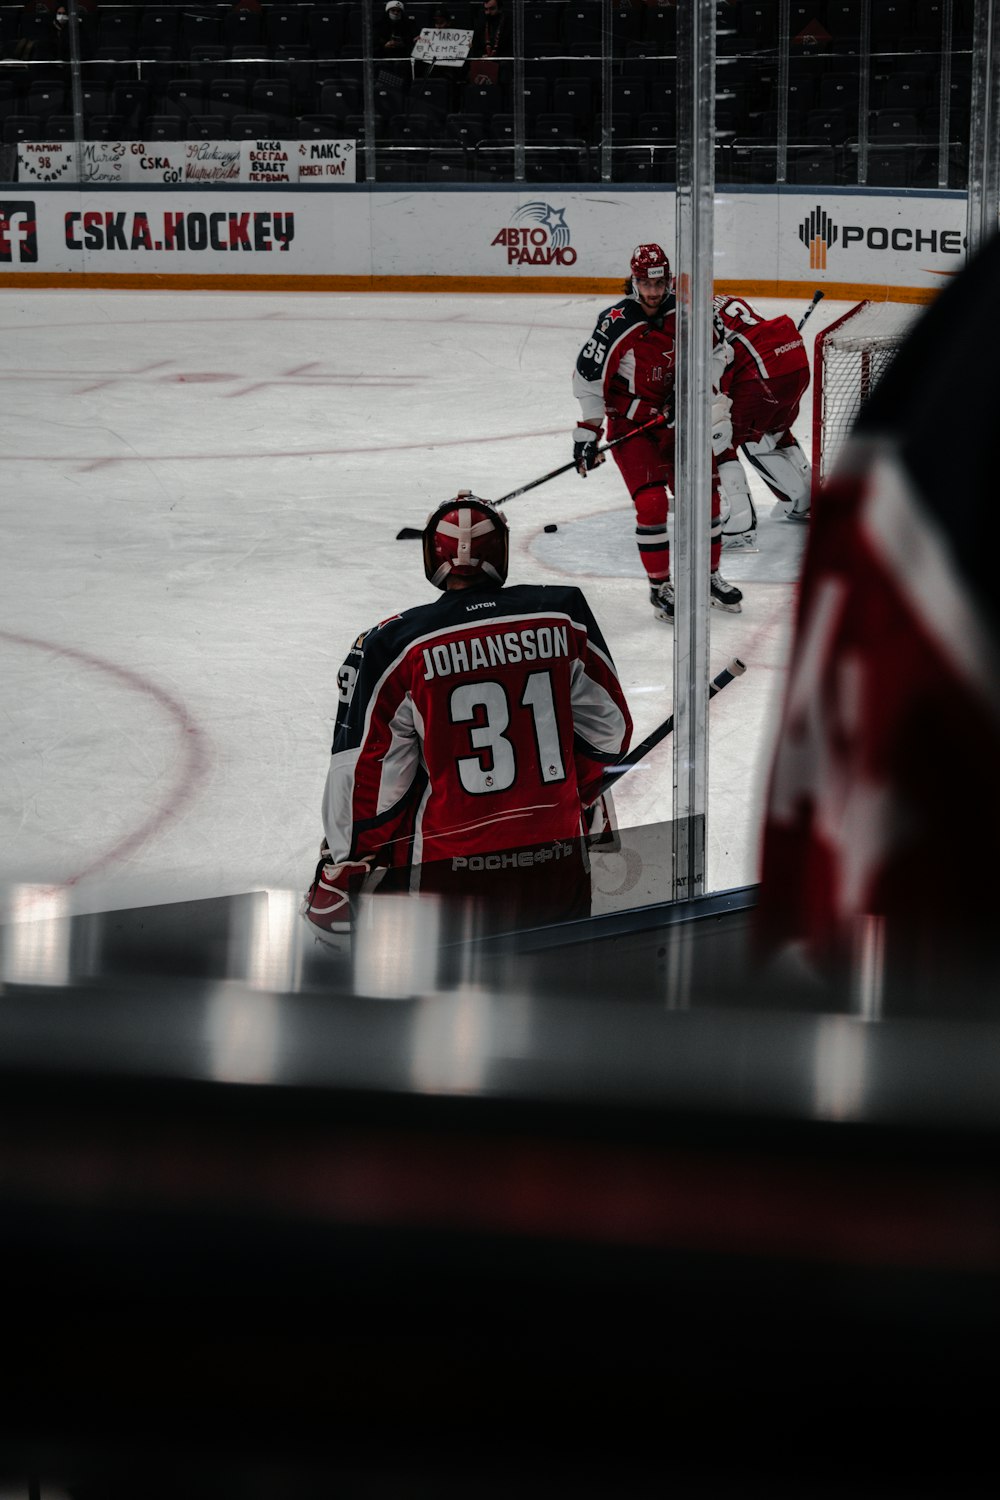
[(738, 515), (786, 471)]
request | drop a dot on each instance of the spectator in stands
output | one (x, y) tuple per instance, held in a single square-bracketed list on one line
[(443, 20), (44, 31), (394, 42), (490, 42)]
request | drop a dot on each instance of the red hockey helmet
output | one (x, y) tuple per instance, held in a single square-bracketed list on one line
[(466, 538), (649, 262)]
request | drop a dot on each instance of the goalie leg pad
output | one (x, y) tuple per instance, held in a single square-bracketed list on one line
[(738, 513), (785, 470)]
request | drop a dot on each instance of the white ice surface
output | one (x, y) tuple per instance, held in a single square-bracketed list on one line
[(201, 498)]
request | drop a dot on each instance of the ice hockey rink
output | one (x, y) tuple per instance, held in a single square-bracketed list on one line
[(565, 1221), (202, 495)]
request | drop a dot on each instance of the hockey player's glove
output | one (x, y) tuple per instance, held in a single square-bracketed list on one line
[(722, 426), (327, 903), (585, 442)]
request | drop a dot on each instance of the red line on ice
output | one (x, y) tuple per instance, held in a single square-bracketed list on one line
[(198, 458), (196, 757)]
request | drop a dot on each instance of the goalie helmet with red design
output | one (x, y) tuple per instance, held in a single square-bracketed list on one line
[(651, 278), (466, 538)]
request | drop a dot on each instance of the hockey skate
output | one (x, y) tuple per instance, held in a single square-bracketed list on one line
[(785, 511), (724, 594), (661, 597), (742, 541)]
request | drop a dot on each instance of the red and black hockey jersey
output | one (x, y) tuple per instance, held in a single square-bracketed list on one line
[(627, 366), (763, 348), (479, 722)]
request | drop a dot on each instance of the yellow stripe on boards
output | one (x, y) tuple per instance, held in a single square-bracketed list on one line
[(581, 286)]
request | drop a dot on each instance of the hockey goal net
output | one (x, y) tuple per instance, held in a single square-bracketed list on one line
[(850, 358)]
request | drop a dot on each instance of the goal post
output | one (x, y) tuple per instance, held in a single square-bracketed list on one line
[(849, 359)]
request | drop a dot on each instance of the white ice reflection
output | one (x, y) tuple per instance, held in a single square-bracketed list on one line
[(395, 946), (265, 949), (840, 1067), (460, 1036), (450, 1041), (35, 937), (242, 1034)]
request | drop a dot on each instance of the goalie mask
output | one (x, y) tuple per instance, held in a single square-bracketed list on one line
[(466, 538)]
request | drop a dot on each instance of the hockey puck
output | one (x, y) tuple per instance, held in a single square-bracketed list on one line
[(552, 527)]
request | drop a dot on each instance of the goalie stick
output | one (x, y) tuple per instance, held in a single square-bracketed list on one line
[(632, 757), (410, 533), (817, 299)]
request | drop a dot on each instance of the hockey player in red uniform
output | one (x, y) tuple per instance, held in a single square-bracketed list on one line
[(471, 738), (625, 371), (763, 373)]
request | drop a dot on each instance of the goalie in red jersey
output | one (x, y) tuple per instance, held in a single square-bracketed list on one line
[(762, 374), (625, 372), (471, 739)]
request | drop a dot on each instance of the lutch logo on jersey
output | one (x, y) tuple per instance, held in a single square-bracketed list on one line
[(18, 232), (537, 235), (819, 233)]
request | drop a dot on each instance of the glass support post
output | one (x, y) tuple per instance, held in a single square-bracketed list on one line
[(944, 92), (784, 50), (983, 199), (76, 83), (368, 46), (692, 493), (518, 86), (864, 93), (607, 46)]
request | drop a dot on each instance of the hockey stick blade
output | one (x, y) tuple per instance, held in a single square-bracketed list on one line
[(410, 533), (631, 758)]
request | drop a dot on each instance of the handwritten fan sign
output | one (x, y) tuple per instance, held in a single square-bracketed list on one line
[(450, 47), (327, 161)]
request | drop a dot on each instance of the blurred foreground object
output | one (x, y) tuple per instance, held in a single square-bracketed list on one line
[(883, 799)]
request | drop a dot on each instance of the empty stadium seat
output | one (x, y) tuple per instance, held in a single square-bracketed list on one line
[(894, 124), (253, 126), (60, 128), (285, 25), (183, 96), (447, 166), (198, 26), (164, 127), (244, 26), (105, 127), (210, 127), (18, 128), (324, 30), (320, 126), (272, 96), (337, 96), (574, 98), (227, 96), (158, 27), (467, 130), (130, 100)]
